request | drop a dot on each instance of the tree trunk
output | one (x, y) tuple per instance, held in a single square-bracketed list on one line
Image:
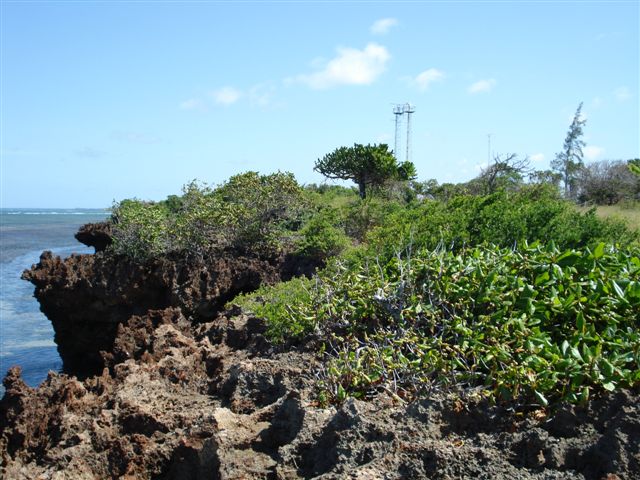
[(362, 186)]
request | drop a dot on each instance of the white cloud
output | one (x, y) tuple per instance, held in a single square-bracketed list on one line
[(622, 94), (382, 26), (482, 86), (258, 95), (425, 79), (226, 95), (261, 95), (608, 36), (537, 157), (350, 67), (592, 152), (463, 167), (192, 104)]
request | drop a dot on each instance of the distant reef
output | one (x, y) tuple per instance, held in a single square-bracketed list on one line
[(162, 381)]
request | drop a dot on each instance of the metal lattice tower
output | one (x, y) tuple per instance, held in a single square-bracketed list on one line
[(408, 109), (398, 111)]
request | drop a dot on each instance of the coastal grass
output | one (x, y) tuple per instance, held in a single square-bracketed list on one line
[(628, 212)]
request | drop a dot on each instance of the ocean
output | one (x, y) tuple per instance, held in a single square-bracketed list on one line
[(26, 335)]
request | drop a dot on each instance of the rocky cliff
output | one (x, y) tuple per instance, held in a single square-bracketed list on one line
[(86, 297), (161, 383), (214, 401)]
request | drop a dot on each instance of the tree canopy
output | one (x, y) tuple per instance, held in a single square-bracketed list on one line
[(366, 165), (569, 161), (506, 172)]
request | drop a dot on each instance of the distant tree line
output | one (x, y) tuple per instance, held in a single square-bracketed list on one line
[(605, 182)]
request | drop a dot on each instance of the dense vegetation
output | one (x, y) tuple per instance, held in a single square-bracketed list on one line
[(496, 285), (250, 213), (532, 324)]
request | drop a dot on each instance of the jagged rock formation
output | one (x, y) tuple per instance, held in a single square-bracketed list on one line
[(86, 297), (214, 401), (96, 235), (178, 390)]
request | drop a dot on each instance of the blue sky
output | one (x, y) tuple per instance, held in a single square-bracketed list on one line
[(109, 100)]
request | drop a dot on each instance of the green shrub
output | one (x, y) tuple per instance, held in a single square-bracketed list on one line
[(363, 215), (263, 209), (505, 219), (249, 213), (139, 228), (272, 303), (533, 325), (322, 237)]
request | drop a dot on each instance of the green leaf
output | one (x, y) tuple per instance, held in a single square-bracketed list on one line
[(541, 398), (584, 395), (633, 290), (609, 386), (568, 258), (598, 252), (542, 278), (576, 354), (607, 368), (617, 289), (341, 394)]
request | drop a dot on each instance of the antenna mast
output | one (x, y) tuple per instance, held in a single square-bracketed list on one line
[(398, 111), (408, 109)]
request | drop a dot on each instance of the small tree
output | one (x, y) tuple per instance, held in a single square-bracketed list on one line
[(545, 177), (569, 162), (366, 165), (506, 172), (607, 182)]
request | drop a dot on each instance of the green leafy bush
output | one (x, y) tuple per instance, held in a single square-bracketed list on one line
[(264, 208), (505, 219), (535, 325), (139, 228), (250, 213), (272, 303), (322, 237), (363, 215)]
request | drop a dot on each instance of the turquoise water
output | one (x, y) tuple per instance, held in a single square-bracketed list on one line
[(26, 335)]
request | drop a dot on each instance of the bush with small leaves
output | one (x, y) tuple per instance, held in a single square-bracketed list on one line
[(251, 213), (531, 325), (139, 229), (322, 236)]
